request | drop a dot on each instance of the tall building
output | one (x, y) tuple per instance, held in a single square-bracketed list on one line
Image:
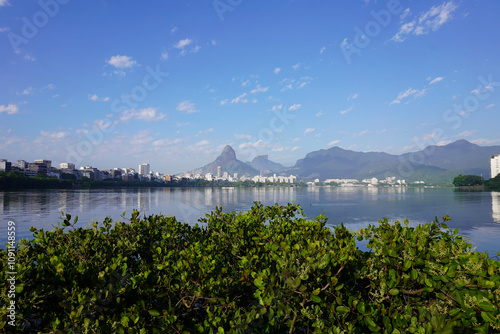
[(5, 165), (46, 162), (67, 165), (495, 165), (21, 164), (219, 172), (144, 169)]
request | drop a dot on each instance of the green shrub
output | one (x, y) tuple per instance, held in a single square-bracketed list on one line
[(268, 270)]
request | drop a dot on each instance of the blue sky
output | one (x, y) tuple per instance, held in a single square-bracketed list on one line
[(120, 83)]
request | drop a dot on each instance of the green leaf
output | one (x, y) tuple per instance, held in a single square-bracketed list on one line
[(487, 317), (315, 299), (342, 309), (394, 291), (154, 313), (259, 283), (369, 321), (486, 306)]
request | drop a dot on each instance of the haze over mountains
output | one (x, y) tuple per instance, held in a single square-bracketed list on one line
[(436, 164)]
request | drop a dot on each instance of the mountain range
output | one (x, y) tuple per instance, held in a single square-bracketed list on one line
[(433, 164)]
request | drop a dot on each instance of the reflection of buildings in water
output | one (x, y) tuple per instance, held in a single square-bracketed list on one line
[(495, 205)]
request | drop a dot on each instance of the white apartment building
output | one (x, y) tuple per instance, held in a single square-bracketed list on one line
[(495, 165), (144, 169)]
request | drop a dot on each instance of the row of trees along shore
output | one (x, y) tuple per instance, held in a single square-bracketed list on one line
[(268, 270), (17, 181), (475, 181)]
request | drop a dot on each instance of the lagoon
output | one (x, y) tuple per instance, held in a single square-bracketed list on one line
[(476, 214)]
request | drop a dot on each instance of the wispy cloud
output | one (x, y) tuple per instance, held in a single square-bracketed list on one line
[(436, 80), (119, 61), (4, 3), (410, 92), (277, 70), (322, 50), (320, 114), (145, 114), (467, 133), (96, 98), (183, 43), (359, 134), (296, 66), (309, 130), (240, 99), (187, 107), (490, 106), (353, 96), (333, 142), (431, 20), (345, 111), (295, 107), (9, 109), (259, 89)]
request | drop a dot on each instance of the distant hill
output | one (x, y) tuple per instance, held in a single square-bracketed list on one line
[(262, 163), (460, 156), (437, 164), (228, 162)]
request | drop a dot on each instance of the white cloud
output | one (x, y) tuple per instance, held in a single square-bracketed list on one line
[(353, 96), (4, 3), (257, 145), (9, 109), (295, 107), (119, 61), (320, 114), (49, 86), (345, 111), (145, 114), (96, 98), (259, 89), (240, 99), (276, 107), (309, 130), (416, 93), (322, 50), (174, 29), (490, 106), (405, 13), (183, 43), (245, 83), (187, 107), (277, 70), (295, 148), (223, 102), (435, 80), (431, 20), (359, 134), (296, 66), (333, 142), (467, 133), (27, 91), (4, 29)]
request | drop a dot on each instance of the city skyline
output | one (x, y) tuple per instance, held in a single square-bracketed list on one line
[(171, 84)]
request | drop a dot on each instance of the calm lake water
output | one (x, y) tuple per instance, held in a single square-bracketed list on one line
[(476, 214)]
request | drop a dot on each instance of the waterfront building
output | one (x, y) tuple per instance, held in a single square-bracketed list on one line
[(67, 165), (495, 165), (219, 172), (46, 162), (144, 169), (5, 165)]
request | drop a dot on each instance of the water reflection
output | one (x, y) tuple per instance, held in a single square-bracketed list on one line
[(495, 205), (477, 215)]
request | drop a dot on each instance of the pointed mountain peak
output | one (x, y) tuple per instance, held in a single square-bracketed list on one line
[(228, 153)]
